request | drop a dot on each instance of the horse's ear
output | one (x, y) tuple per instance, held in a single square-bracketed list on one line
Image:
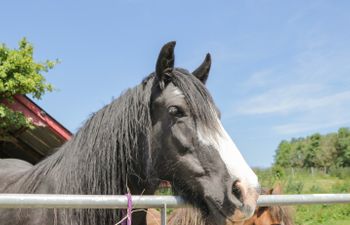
[(270, 191), (202, 72), (165, 63), (260, 210), (277, 190)]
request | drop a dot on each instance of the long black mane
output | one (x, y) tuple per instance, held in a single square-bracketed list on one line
[(112, 146), (99, 158)]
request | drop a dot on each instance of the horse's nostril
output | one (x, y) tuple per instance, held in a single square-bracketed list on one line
[(237, 191)]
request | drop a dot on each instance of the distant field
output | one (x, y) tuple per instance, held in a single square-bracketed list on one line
[(306, 182)]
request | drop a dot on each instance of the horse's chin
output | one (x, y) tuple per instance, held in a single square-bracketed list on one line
[(242, 214), (211, 212), (216, 216)]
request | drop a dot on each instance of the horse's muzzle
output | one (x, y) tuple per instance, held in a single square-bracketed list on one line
[(248, 197)]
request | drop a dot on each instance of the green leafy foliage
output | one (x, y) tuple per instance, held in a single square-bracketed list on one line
[(284, 154), (20, 74), (317, 151), (12, 121), (343, 146)]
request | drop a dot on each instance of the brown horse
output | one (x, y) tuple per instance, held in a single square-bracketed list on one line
[(271, 215), (264, 215)]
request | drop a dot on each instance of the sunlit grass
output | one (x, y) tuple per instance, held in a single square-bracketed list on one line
[(305, 182)]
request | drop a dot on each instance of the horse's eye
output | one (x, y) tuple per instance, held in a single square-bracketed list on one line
[(175, 111)]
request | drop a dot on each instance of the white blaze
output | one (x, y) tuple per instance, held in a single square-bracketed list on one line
[(230, 155)]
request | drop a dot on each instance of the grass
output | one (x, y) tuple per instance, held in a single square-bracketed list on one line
[(303, 182)]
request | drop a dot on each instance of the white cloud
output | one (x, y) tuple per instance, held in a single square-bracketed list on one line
[(297, 98), (307, 126), (308, 93), (260, 78), (318, 76)]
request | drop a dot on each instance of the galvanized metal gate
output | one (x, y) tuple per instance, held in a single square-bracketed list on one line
[(162, 202)]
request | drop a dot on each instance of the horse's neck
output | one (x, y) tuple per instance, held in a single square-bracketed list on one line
[(70, 171), (36, 179), (105, 156)]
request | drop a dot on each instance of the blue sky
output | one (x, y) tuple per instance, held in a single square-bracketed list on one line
[(281, 69)]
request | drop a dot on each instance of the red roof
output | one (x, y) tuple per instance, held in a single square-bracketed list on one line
[(33, 145)]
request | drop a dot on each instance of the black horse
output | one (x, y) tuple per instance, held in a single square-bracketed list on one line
[(166, 128)]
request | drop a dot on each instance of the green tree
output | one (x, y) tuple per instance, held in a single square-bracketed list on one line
[(327, 154), (283, 153), (343, 147), (298, 153), (20, 74), (312, 150), (320, 151)]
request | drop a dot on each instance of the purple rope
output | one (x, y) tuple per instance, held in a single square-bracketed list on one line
[(128, 211)]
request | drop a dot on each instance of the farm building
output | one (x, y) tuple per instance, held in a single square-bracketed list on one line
[(33, 145)]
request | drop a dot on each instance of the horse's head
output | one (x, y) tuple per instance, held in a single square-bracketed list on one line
[(190, 147), (271, 215)]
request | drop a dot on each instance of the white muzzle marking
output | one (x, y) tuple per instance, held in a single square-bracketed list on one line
[(230, 155)]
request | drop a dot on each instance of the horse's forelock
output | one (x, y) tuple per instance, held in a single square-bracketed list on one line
[(198, 98), (277, 212), (282, 214)]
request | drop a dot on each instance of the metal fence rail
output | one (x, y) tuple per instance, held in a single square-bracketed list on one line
[(120, 201)]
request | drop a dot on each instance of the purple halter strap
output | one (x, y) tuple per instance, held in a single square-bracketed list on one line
[(128, 211)]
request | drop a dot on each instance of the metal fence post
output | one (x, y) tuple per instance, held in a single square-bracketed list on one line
[(163, 214)]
